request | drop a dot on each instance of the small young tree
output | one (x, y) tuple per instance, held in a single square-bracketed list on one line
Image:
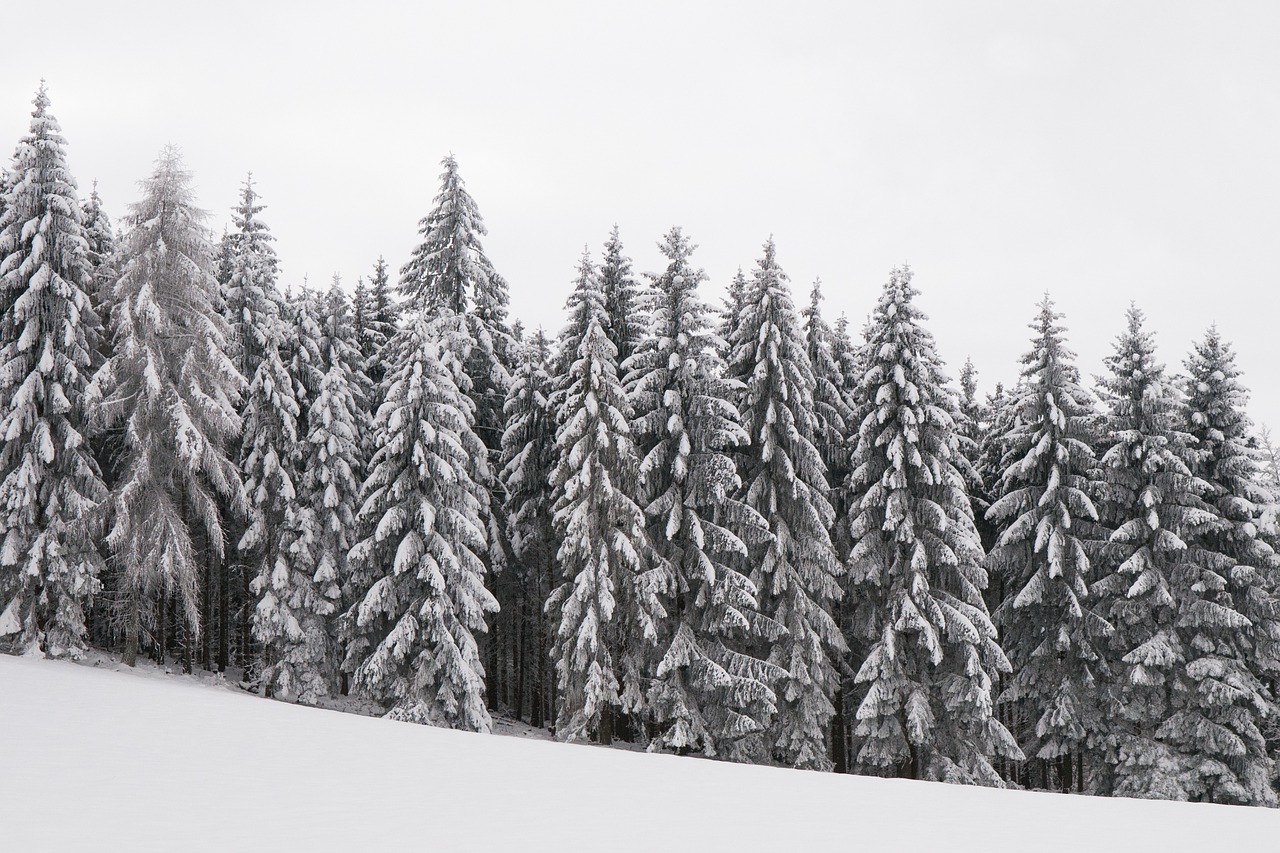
[(915, 573), (171, 385), (50, 485), (795, 570)]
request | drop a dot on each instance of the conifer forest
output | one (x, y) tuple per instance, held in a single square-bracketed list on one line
[(738, 528)]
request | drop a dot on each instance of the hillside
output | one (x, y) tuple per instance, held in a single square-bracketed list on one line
[(94, 759)]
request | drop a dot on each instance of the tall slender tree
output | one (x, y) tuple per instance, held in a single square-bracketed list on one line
[(1152, 500), (622, 302), (708, 693), (423, 510), (50, 485), (606, 606), (1046, 519), (916, 577), (795, 570), (175, 391)]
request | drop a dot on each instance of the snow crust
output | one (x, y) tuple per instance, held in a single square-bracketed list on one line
[(95, 759)]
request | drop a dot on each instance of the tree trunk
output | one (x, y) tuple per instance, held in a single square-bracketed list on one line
[(223, 579), (518, 655), (604, 734), (839, 742), (132, 617)]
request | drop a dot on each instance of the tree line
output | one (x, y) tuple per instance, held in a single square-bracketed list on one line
[(738, 531)]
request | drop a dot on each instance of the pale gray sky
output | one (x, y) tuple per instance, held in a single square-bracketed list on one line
[(1103, 151)]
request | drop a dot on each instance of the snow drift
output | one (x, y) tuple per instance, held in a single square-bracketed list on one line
[(94, 759)]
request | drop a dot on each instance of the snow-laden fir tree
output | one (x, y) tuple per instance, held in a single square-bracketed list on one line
[(294, 598), (528, 459), (332, 467), (423, 509), (1225, 699), (383, 315), (732, 309), (50, 485), (1151, 579), (101, 254), (449, 272), (622, 299), (708, 692), (831, 402), (1045, 517), (795, 571), (606, 606), (915, 573), (250, 269), (174, 390)]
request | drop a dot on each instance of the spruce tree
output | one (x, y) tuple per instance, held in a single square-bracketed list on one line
[(915, 573), (795, 571), (605, 607), (50, 485), (528, 459), (172, 387), (382, 318), (708, 693), (1046, 517), (1152, 582), (622, 303), (1226, 699), (424, 553)]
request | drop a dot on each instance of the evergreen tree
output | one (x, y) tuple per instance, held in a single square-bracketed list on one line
[(916, 576), (252, 297), (423, 507), (1225, 698), (831, 404), (50, 485), (795, 570), (383, 317), (1054, 640), (528, 459), (173, 388), (101, 254), (732, 313), (606, 607), (622, 303), (708, 692), (1152, 500)]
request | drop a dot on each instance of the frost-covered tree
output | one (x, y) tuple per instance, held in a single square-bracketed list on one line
[(925, 685), (174, 390), (381, 321), (795, 570), (528, 459), (606, 607), (708, 693), (252, 296), (1152, 580), (1231, 632), (50, 485), (423, 508), (622, 302), (732, 312), (831, 402), (100, 255), (1046, 519)]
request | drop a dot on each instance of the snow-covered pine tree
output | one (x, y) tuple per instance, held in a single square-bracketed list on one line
[(732, 311), (424, 508), (1152, 500), (795, 571), (528, 459), (606, 606), (172, 386), (831, 404), (708, 692), (915, 573), (101, 254), (383, 318), (50, 485), (449, 271), (1225, 698), (250, 269), (1045, 516), (332, 469), (622, 299)]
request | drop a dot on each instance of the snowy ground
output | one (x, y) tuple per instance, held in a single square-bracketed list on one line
[(105, 760)]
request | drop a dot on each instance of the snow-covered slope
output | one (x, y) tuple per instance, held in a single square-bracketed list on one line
[(92, 759)]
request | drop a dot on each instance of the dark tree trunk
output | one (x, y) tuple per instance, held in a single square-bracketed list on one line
[(223, 579), (839, 729), (132, 616)]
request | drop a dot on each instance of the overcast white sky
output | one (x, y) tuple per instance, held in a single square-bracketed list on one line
[(1105, 152)]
